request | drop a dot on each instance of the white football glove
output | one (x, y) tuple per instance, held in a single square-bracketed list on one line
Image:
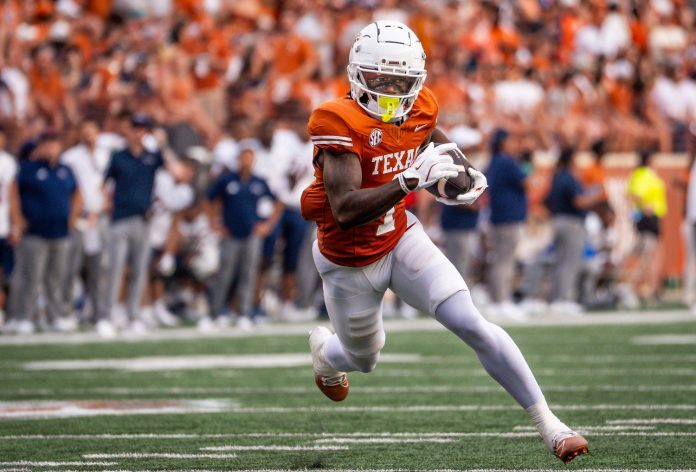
[(430, 166), (479, 186)]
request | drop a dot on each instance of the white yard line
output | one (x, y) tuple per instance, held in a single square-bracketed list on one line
[(391, 326), (401, 470), (383, 440), (484, 389), (519, 431), (81, 408), (457, 408), (541, 372), (157, 455), (631, 358), (160, 363), (55, 463), (521, 434), (595, 428), (273, 447), (144, 470), (41, 410), (403, 435), (629, 421), (150, 470), (664, 339)]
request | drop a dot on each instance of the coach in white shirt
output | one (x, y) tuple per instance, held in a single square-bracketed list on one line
[(88, 161)]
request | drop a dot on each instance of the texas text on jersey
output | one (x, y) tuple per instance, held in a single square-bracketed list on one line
[(385, 150)]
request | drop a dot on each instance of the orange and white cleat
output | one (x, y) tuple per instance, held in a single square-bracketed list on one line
[(567, 445), (331, 382)]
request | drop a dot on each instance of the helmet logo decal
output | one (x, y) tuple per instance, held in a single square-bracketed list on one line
[(375, 137)]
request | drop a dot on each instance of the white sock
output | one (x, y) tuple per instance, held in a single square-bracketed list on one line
[(545, 421)]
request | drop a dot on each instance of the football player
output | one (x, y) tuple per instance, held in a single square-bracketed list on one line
[(371, 149)]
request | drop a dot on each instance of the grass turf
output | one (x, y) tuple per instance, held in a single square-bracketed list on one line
[(596, 375)]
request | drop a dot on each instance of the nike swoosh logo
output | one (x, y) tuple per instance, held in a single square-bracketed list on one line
[(420, 127)]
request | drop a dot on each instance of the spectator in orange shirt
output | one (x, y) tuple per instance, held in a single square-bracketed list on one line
[(48, 91), (293, 59)]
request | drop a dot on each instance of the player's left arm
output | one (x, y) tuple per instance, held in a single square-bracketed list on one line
[(480, 184)]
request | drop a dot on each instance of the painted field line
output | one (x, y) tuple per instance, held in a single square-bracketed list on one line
[(517, 435), (518, 432), (157, 455), (383, 440), (272, 447), (631, 358), (653, 421), (29, 414), (595, 428), (141, 470), (402, 435), (147, 470), (400, 470), (653, 434), (55, 463), (664, 339), (611, 372), (456, 408), (161, 363), (484, 389), (27, 410)]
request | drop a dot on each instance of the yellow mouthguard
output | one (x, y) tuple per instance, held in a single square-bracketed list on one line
[(390, 104)]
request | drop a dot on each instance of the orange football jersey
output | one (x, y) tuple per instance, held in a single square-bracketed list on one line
[(385, 150)]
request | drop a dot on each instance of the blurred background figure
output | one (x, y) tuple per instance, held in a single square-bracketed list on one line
[(8, 171), (242, 211), (508, 212), (598, 278), (647, 192), (132, 173), (170, 195), (568, 204), (88, 162), (460, 238), (293, 172), (45, 202)]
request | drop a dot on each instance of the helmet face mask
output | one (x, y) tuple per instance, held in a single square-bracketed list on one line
[(386, 70)]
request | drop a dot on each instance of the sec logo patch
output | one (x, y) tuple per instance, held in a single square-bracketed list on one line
[(375, 137)]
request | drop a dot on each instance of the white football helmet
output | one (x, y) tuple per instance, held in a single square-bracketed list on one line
[(386, 69)]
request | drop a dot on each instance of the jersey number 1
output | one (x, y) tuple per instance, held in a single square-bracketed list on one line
[(388, 223)]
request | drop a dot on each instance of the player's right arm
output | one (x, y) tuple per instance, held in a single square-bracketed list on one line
[(353, 206)]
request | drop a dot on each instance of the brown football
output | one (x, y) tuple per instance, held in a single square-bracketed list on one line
[(450, 188)]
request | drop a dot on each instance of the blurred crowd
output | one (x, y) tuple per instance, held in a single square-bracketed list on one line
[(153, 153)]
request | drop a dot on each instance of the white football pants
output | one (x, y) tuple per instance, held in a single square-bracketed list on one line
[(419, 273)]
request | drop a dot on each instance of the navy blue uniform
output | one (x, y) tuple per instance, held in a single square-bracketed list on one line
[(240, 201), (508, 199), (45, 193), (134, 177), (564, 188)]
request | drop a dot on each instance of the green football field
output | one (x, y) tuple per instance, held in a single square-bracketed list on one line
[(249, 403)]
